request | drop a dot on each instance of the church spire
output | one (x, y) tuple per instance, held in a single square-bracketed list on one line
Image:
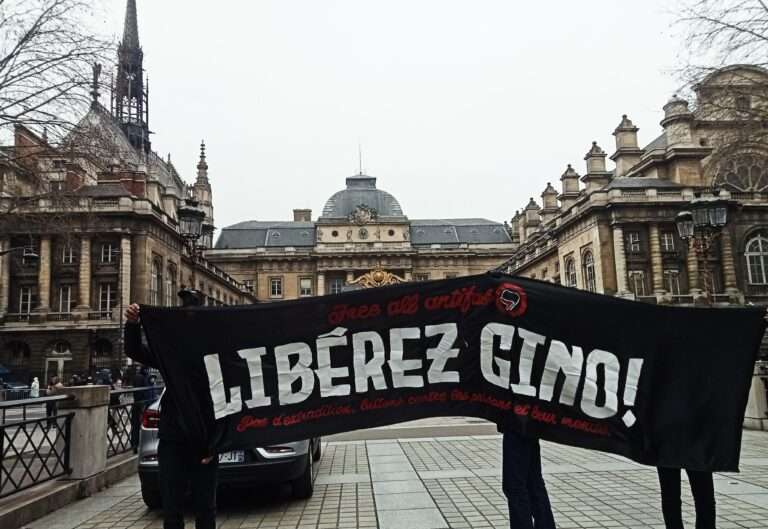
[(131, 27), (130, 103)]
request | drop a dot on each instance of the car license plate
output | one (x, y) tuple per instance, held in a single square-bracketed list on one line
[(236, 456)]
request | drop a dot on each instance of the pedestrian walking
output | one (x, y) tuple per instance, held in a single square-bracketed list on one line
[(703, 490), (181, 463), (52, 407), (523, 483), (115, 400), (34, 389)]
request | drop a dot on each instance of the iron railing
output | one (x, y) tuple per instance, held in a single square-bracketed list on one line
[(101, 315), (126, 407), (18, 316), (17, 405), (17, 393), (33, 450)]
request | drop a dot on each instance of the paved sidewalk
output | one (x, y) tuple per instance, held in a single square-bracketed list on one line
[(430, 483)]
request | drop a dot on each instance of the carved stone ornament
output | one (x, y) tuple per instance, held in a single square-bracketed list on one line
[(363, 214), (377, 278)]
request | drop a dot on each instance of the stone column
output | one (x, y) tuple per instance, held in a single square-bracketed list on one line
[(692, 263), (125, 273), (620, 259), (729, 268), (84, 280), (408, 275), (320, 283), (756, 414), (5, 276), (350, 277), (88, 442), (44, 275), (657, 266)]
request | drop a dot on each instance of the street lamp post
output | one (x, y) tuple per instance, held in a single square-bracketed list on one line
[(191, 219), (700, 227)]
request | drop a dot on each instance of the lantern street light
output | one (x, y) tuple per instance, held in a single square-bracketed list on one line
[(700, 226), (191, 219)]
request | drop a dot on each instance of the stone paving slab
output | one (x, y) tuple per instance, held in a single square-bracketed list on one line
[(447, 483)]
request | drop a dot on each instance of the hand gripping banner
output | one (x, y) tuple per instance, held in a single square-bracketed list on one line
[(661, 385)]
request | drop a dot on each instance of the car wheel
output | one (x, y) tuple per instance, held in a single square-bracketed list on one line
[(304, 485), (318, 451), (152, 498)]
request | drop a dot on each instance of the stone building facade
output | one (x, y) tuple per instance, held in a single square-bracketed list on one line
[(94, 222), (616, 234), (362, 238)]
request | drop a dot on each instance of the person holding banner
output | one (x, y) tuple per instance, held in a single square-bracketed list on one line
[(703, 490), (180, 463), (523, 483)]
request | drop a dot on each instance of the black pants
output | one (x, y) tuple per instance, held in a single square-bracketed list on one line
[(137, 410), (523, 484), (180, 467), (51, 410), (703, 491)]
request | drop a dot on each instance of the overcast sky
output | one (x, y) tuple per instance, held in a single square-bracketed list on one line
[(463, 108)]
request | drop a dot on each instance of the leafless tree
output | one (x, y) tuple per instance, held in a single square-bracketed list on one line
[(46, 55), (720, 33), (49, 59)]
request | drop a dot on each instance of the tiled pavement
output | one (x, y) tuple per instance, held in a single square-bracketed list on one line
[(431, 483)]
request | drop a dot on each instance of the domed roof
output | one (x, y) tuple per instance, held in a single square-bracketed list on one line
[(361, 193)]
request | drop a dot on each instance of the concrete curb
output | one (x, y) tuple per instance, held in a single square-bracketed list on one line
[(388, 432), (29, 505)]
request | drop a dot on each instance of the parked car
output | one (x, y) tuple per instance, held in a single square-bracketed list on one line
[(287, 462)]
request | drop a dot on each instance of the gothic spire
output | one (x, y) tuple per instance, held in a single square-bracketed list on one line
[(131, 27), (202, 166), (129, 98)]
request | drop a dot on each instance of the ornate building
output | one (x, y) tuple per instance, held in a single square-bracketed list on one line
[(617, 233), (362, 238), (95, 224)]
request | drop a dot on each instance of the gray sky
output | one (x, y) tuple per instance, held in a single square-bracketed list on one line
[(463, 108)]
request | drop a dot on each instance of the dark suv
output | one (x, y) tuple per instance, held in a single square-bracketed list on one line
[(287, 462)]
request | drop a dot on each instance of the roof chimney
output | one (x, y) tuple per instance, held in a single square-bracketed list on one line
[(302, 215)]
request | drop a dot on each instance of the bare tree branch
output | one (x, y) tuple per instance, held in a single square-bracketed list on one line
[(46, 55), (716, 36)]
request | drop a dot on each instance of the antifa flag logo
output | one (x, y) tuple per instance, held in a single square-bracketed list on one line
[(511, 300)]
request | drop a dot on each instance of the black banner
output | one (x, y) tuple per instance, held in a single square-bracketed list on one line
[(661, 385)]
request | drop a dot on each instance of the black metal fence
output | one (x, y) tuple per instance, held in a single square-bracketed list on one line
[(126, 407), (34, 443)]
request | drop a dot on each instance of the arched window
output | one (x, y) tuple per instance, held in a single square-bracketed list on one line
[(588, 264), (61, 348), (16, 355), (102, 355), (743, 174), (102, 348), (170, 286), (757, 260), (570, 272), (156, 283)]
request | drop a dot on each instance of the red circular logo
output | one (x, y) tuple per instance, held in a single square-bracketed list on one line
[(511, 300)]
